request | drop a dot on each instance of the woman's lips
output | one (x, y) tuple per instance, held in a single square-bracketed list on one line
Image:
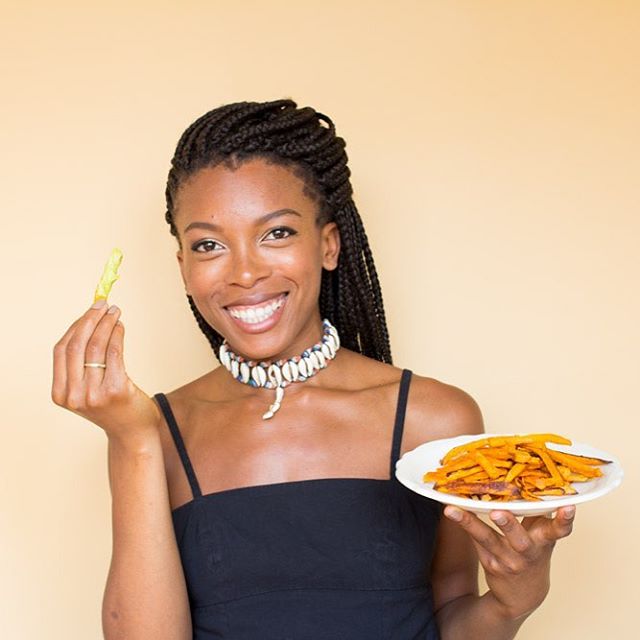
[(259, 317)]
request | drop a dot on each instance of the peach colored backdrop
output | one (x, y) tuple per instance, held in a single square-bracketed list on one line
[(494, 150)]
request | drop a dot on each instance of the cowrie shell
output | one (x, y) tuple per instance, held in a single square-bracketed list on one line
[(274, 374), (328, 350), (224, 356), (310, 366), (313, 358), (286, 372), (259, 376)]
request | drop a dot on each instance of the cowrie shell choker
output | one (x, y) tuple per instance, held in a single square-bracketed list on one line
[(280, 374)]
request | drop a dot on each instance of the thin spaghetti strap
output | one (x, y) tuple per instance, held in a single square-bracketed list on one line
[(179, 442), (401, 410)]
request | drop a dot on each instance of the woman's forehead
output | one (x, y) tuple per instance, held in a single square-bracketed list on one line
[(252, 190)]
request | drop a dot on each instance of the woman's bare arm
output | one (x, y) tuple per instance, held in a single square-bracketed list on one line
[(145, 596), (515, 557)]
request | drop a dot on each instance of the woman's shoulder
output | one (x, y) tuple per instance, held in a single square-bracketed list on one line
[(437, 410)]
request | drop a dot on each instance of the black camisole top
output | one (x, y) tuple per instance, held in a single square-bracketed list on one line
[(323, 559)]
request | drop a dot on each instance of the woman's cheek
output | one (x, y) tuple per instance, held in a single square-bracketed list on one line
[(303, 259), (204, 278)]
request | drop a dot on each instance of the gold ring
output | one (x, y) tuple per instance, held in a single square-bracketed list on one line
[(95, 365)]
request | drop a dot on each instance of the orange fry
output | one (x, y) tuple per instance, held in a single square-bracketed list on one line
[(583, 459), (574, 465), (464, 462), (499, 441), (480, 488), (463, 473), (515, 471), (505, 468), (478, 477), (542, 451), (486, 464)]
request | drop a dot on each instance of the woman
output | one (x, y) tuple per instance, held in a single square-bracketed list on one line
[(259, 501)]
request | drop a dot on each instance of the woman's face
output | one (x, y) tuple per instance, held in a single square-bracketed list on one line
[(252, 255)]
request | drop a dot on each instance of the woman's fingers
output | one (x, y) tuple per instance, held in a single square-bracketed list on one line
[(114, 374), (76, 350), (86, 341), (480, 533), (507, 553), (104, 395), (519, 539), (550, 530), (515, 534), (59, 385), (563, 522), (96, 350)]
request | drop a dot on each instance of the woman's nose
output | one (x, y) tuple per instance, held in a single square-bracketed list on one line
[(247, 268)]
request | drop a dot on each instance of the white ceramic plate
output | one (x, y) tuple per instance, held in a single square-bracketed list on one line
[(414, 464)]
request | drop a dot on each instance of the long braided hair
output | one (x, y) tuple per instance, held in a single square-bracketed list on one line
[(304, 141)]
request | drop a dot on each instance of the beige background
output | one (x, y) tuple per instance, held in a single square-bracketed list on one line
[(494, 150)]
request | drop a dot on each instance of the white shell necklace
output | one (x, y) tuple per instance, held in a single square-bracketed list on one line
[(280, 374)]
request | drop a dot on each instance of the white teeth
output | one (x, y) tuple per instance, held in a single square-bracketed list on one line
[(259, 314)]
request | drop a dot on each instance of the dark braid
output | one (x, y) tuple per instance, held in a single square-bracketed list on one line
[(304, 141)]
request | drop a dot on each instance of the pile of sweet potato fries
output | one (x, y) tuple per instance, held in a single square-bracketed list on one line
[(506, 468)]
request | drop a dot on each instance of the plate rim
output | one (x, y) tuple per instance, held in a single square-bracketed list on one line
[(519, 507)]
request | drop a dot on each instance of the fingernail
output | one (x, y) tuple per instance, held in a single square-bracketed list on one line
[(499, 519), (99, 304), (453, 514), (569, 512), (113, 309)]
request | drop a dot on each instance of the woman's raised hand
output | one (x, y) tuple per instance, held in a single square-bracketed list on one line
[(516, 559), (105, 396)]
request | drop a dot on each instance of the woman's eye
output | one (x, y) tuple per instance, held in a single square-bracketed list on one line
[(280, 233), (205, 246)]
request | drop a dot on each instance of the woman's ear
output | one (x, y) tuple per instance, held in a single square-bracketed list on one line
[(330, 246), (181, 264)]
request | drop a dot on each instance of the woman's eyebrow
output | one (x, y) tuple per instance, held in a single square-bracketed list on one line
[(210, 226)]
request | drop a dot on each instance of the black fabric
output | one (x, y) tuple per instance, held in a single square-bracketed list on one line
[(179, 442), (398, 426), (322, 559)]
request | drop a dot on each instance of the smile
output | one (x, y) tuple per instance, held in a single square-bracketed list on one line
[(259, 312)]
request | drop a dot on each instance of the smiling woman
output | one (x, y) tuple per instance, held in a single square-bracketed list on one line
[(231, 521), (250, 265)]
